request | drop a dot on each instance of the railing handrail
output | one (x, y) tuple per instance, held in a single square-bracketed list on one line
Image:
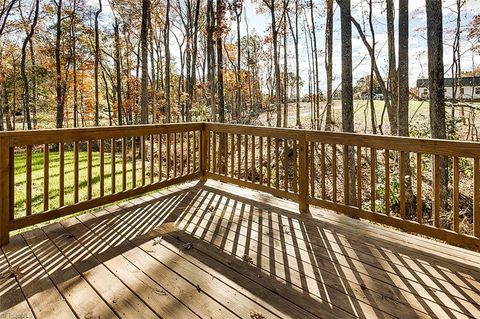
[(63, 135), (399, 143)]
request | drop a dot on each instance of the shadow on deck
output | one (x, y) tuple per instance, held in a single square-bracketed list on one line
[(216, 250)]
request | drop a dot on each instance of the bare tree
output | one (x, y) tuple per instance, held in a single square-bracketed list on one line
[(436, 85), (329, 63), (347, 93), (58, 66), (26, 91), (168, 117), (144, 61), (97, 59)]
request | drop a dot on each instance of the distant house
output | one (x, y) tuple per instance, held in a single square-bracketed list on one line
[(468, 89)]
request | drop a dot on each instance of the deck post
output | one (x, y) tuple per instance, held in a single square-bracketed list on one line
[(203, 153), (4, 191), (303, 173)]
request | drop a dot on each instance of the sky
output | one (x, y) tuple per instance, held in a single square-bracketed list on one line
[(259, 22)]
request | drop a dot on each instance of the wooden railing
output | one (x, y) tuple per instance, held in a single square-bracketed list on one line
[(390, 180), (89, 167)]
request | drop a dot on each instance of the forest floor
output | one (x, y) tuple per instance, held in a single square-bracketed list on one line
[(418, 114)]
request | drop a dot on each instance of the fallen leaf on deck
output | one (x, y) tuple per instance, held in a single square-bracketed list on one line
[(12, 272), (257, 315), (187, 246), (247, 258)]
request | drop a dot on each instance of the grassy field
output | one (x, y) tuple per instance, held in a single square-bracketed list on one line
[(54, 179)]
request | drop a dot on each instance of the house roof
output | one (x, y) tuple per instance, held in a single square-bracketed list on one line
[(466, 81)]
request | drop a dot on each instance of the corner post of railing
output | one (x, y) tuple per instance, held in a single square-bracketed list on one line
[(203, 153), (4, 190), (303, 173)]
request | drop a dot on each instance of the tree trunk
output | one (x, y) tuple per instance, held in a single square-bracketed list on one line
[(211, 58), (285, 65), (168, 117), (436, 85), (347, 93), (73, 32), (58, 67), (403, 87), (23, 67), (97, 59), (316, 98), (118, 73), (219, 42), (144, 61), (392, 67), (329, 64)]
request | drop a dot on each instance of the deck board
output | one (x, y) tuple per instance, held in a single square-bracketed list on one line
[(218, 251)]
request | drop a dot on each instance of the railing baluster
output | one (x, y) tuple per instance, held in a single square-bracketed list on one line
[(253, 159), (152, 158), (285, 164), (312, 172), (168, 156), (269, 161), (387, 182), (188, 152), (277, 163), (323, 167), (225, 148), (295, 166), (61, 173), (134, 162), (194, 151), (102, 167), (232, 155), (476, 197), (160, 160), (334, 172), (182, 160), (5, 190), (303, 172), (346, 175), (260, 159), (239, 156), (419, 188), (11, 183), (214, 152), (436, 191), (246, 157), (46, 175), (75, 172), (113, 159), (124, 163), (456, 195), (402, 183), (175, 153), (359, 176), (89, 169), (142, 157), (373, 178), (29, 181)]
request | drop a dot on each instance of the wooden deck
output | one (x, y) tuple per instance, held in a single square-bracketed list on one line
[(218, 251)]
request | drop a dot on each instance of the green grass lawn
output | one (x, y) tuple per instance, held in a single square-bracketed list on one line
[(54, 179)]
